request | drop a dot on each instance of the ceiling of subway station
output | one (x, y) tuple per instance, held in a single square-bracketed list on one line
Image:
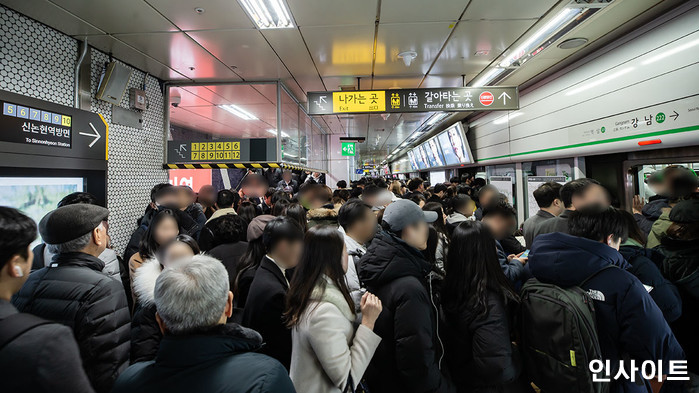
[(331, 45)]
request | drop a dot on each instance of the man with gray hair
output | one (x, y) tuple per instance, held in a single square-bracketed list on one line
[(199, 351), (74, 291)]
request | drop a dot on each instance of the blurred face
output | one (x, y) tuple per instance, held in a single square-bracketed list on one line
[(289, 252), (166, 231), (207, 195), (486, 197), (286, 176), (500, 226), (416, 235), (365, 229), (175, 252), (345, 259), (595, 194)]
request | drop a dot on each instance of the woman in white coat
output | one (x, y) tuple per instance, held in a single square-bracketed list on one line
[(328, 354)]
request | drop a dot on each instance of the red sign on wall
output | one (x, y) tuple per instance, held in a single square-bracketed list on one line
[(193, 178)]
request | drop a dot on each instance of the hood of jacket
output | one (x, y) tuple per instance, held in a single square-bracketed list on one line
[(322, 213), (389, 258), (207, 345), (565, 260), (653, 210), (144, 281), (456, 218)]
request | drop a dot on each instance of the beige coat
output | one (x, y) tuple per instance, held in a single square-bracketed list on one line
[(326, 347)]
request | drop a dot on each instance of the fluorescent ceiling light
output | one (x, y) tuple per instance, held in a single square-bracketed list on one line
[(600, 81), (667, 53), (238, 111), (290, 155), (505, 119), (284, 134), (268, 14), (488, 77), (534, 41)]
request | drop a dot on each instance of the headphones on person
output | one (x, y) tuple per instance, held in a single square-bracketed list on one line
[(19, 272)]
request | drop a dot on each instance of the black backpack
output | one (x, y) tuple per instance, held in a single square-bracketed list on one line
[(558, 334)]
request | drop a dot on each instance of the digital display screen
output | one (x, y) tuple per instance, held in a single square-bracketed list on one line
[(434, 153), (413, 161), (36, 196), (454, 146), (421, 156)]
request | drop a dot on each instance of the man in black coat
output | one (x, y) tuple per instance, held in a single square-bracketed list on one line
[(74, 291), (266, 301), (407, 360), (199, 352), (36, 355)]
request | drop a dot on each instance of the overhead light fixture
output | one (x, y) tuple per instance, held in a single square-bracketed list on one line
[(238, 111), (290, 155), (670, 52), (573, 43), (488, 77), (599, 81), (507, 118), (268, 14), (408, 57), (272, 131)]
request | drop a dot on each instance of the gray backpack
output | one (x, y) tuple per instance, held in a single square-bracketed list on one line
[(558, 335)]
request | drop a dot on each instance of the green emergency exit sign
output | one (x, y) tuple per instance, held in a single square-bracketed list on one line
[(348, 148)]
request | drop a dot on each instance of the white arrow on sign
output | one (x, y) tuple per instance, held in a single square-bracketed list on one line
[(96, 135), (504, 96)]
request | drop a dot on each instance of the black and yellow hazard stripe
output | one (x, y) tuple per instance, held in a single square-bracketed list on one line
[(241, 165)]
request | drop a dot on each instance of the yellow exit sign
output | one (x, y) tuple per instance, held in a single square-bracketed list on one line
[(359, 101)]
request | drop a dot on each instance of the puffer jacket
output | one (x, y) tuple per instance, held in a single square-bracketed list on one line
[(145, 332), (408, 358), (112, 266), (681, 266), (481, 357), (628, 320), (77, 294), (222, 358), (645, 266)]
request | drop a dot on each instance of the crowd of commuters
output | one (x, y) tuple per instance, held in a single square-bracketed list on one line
[(376, 286)]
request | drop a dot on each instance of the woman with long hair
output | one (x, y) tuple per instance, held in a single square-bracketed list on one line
[(479, 304), (250, 260), (328, 354), (164, 227), (442, 235), (145, 332)]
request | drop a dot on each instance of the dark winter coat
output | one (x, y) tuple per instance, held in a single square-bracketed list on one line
[(45, 358), (645, 266), (556, 224), (77, 294), (650, 214), (322, 216), (229, 254), (263, 311), (222, 359), (480, 354), (145, 332), (511, 245), (681, 266), (407, 360), (628, 320), (531, 225)]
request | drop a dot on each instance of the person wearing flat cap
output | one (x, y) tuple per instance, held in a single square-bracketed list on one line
[(395, 270), (681, 267), (74, 291)]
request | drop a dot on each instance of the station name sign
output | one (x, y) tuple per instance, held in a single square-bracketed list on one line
[(447, 99), (35, 127)]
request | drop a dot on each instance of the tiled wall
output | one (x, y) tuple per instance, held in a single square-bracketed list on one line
[(39, 62)]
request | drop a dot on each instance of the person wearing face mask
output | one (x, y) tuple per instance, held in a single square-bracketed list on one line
[(394, 269), (37, 355), (74, 291), (629, 323)]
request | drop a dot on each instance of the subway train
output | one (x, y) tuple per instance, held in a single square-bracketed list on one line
[(406, 196)]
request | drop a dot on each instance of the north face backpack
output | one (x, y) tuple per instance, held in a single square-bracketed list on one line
[(558, 334)]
